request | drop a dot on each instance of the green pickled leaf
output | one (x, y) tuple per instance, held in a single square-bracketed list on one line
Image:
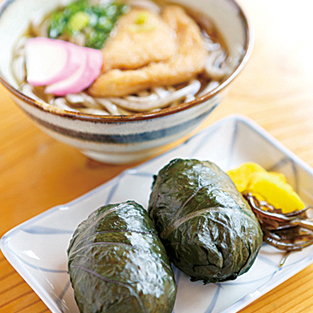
[(206, 226), (117, 263)]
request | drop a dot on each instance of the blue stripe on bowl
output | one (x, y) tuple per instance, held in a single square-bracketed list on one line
[(124, 139)]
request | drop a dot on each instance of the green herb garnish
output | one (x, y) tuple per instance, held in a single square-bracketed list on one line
[(94, 22)]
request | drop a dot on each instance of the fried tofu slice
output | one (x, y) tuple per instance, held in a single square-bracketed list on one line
[(140, 37), (183, 66)]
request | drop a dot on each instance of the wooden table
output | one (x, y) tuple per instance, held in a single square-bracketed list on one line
[(275, 90)]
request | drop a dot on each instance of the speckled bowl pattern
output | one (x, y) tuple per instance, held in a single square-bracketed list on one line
[(122, 139)]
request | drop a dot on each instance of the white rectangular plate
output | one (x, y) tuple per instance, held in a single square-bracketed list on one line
[(37, 248)]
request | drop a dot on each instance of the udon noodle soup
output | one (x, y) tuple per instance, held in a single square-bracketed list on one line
[(155, 55)]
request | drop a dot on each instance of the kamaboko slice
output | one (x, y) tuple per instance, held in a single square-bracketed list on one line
[(61, 66)]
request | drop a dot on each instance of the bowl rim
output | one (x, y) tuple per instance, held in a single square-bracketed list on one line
[(43, 106)]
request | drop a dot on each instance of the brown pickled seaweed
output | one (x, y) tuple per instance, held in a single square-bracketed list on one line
[(117, 263), (285, 231), (206, 226)]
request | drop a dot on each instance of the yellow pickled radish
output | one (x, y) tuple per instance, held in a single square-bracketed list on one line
[(269, 186), (242, 175)]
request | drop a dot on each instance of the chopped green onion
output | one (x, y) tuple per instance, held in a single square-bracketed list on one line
[(81, 16), (78, 21)]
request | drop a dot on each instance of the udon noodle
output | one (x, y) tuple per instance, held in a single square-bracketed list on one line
[(156, 97)]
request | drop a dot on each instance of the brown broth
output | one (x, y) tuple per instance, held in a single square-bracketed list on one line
[(208, 31)]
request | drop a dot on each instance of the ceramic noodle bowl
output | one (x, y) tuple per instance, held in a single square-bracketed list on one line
[(123, 138)]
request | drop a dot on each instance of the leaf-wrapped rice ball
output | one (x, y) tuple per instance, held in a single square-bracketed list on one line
[(117, 263), (206, 226)]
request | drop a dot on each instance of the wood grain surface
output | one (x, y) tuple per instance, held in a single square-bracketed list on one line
[(275, 89)]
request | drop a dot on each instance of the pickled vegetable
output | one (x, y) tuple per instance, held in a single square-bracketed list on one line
[(266, 186)]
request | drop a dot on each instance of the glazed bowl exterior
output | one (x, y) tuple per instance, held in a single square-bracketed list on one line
[(122, 139)]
